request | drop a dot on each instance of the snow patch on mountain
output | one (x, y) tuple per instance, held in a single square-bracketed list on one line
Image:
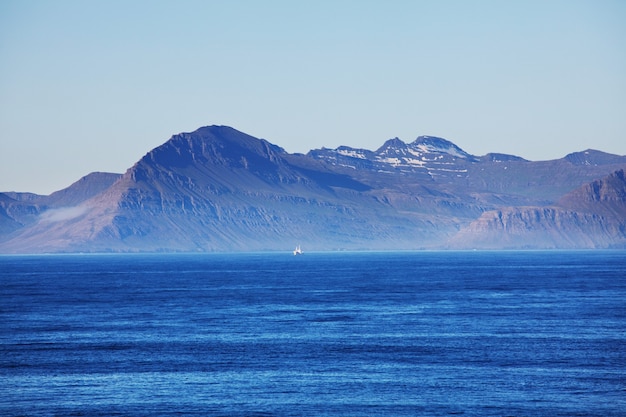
[(426, 152), (352, 153), (433, 144)]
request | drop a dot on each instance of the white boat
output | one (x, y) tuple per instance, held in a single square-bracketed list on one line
[(297, 251)]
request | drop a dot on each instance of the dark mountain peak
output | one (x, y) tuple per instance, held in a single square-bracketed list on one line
[(24, 197), (348, 150), (432, 140), (4, 198), (86, 187), (433, 144), (343, 155), (594, 158), (501, 157), (216, 145), (83, 189), (392, 144), (229, 135), (608, 190), (218, 189)]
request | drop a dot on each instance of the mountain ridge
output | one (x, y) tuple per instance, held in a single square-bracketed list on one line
[(219, 189), (592, 216)]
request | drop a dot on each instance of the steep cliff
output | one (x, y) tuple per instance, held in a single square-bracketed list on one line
[(218, 189), (592, 216)]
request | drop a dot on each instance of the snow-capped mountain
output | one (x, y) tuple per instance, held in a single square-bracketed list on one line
[(218, 189), (427, 154)]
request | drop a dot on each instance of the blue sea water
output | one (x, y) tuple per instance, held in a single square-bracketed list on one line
[(322, 334)]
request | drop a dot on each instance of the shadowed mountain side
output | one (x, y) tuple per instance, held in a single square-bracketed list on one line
[(438, 164), (592, 216), (11, 211), (606, 196), (218, 189)]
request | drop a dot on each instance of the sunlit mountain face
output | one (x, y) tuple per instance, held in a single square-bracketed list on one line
[(218, 189)]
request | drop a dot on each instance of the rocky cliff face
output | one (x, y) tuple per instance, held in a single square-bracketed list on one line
[(606, 196), (539, 228), (592, 216), (218, 189)]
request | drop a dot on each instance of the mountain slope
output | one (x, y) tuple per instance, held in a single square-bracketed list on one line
[(438, 163), (11, 211), (218, 189), (606, 197), (83, 189), (592, 216), (18, 210)]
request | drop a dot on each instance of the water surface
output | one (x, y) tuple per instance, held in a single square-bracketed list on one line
[(370, 334)]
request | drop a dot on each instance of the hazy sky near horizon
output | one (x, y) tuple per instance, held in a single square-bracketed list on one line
[(94, 85)]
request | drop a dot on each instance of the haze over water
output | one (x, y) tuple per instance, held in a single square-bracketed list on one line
[(415, 333)]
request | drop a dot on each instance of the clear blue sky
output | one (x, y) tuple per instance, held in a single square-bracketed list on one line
[(94, 85)]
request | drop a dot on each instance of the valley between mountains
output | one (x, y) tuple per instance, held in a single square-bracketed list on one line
[(218, 189)]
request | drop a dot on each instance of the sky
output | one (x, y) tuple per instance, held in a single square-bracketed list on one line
[(94, 85)]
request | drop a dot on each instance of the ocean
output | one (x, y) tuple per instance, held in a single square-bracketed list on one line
[(321, 334)]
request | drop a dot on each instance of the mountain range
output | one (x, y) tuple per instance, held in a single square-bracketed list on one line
[(219, 189)]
